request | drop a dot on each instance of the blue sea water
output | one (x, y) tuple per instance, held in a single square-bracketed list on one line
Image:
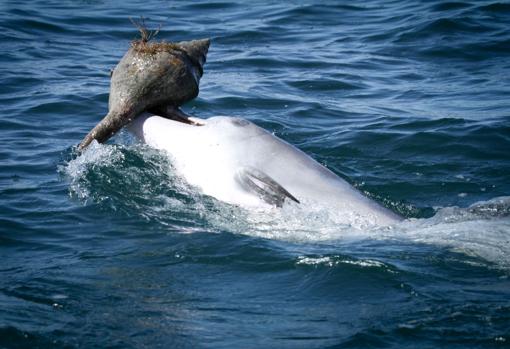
[(407, 100)]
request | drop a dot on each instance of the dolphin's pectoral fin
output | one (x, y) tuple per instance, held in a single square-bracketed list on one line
[(263, 186)]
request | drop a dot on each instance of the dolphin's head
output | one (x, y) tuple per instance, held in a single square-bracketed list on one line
[(150, 75)]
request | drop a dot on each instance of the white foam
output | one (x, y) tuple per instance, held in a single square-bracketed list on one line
[(332, 261), (481, 230)]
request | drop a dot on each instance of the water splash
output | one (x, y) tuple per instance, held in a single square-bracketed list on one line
[(95, 158), (138, 180)]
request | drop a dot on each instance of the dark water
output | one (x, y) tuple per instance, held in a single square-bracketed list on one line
[(409, 101)]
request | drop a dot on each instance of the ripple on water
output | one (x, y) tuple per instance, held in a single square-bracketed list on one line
[(406, 100)]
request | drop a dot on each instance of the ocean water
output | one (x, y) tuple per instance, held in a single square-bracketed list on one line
[(407, 100)]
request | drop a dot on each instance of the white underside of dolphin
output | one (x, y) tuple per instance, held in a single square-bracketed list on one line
[(237, 162)]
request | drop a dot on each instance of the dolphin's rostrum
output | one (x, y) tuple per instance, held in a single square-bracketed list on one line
[(151, 75)]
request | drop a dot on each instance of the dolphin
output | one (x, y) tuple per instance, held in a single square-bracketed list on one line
[(228, 158), (150, 76), (240, 163)]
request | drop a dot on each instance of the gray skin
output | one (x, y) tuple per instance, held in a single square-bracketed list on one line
[(150, 77)]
